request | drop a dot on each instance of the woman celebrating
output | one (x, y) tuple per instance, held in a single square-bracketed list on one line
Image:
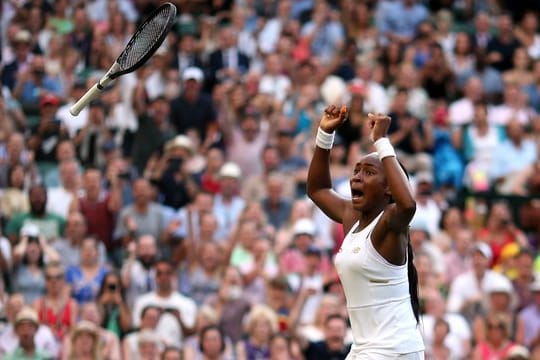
[(375, 261)]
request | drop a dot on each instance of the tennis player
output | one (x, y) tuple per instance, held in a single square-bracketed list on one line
[(375, 261)]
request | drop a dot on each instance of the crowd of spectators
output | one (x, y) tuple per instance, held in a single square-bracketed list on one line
[(169, 219)]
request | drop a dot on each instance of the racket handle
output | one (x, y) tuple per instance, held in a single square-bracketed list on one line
[(90, 95)]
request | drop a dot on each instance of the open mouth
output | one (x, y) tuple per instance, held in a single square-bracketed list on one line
[(356, 194)]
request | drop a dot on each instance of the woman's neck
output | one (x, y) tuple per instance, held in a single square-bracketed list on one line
[(258, 342)]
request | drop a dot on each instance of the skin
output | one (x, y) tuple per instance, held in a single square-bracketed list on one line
[(373, 184)]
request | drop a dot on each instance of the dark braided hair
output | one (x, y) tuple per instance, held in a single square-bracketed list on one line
[(412, 274)]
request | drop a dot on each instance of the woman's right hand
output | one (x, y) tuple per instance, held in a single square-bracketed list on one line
[(332, 118)]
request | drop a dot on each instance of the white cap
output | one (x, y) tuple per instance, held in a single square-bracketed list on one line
[(22, 36), (304, 226), (181, 141), (193, 73), (499, 284), (30, 229), (230, 170), (518, 352), (424, 176), (484, 249)]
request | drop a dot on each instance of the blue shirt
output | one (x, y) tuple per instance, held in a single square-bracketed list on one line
[(509, 158), (394, 17), (84, 290)]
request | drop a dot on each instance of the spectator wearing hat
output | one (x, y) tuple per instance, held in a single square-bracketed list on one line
[(84, 342), (228, 205), (29, 259), (21, 42), (48, 132), (149, 345), (467, 292), (501, 300), (193, 109), (9, 341), (34, 83), (26, 326), (530, 316), (176, 185)]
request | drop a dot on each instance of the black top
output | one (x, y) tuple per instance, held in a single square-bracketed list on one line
[(319, 351), (197, 115)]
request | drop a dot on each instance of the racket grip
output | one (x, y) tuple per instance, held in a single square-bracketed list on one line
[(90, 95)]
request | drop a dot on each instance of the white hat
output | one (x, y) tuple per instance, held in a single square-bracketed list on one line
[(148, 336), (333, 90), (23, 36), (27, 314), (304, 226), (230, 170), (193, 73), (30, 229), (181, 141), (499, 284), (484, 249), (424, 176)]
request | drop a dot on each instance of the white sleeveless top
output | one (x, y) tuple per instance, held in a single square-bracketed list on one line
[(378, 300)]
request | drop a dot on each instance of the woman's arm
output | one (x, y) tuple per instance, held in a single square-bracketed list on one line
[(398, 216), (319, 183)]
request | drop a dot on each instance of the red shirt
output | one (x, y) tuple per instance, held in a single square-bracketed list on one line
[(99, 219)]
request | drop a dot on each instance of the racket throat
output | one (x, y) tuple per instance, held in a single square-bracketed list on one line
[(108, 77)]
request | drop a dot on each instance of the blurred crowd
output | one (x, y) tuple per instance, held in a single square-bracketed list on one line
[(169, 219)]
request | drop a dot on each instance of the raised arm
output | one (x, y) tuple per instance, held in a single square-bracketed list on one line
[(401, 212), (319, 182)]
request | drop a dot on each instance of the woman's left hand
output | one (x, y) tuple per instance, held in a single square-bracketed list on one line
[(379, 125)]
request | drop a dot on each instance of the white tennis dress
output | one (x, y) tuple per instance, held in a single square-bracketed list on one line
[(378, 301)]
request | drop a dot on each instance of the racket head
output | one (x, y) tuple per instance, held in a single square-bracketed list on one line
[(146, 40)]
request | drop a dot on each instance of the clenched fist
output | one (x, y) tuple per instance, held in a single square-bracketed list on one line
[(332, 118), (379, 125)]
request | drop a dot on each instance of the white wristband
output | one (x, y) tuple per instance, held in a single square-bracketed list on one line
[(384, 148), (324, 140)]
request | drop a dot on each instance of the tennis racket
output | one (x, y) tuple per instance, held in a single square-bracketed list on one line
[(142, 45)]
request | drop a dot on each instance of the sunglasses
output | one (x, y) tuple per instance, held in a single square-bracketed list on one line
[(495, 326)]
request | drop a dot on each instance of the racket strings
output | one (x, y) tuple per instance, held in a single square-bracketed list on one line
[(146, 38)]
